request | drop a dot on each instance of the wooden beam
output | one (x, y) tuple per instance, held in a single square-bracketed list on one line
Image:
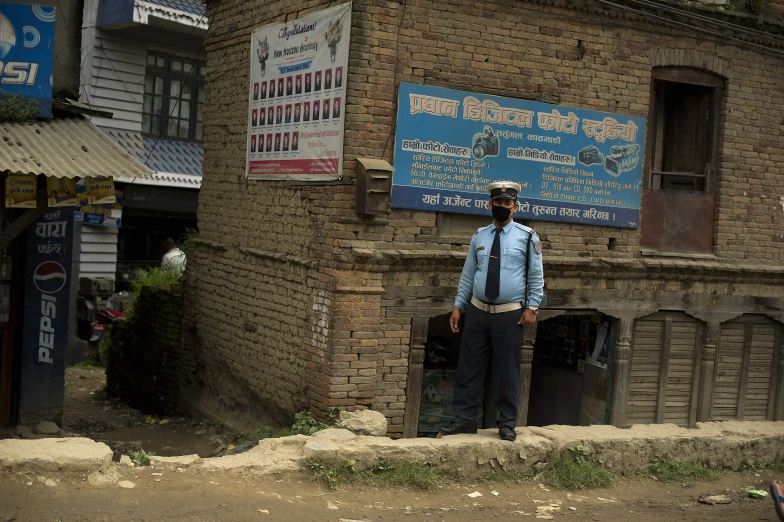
[(416, 358), (620, 372), (424, 300), (526, 368), (20, 224), (775, 375), (744, 369), (696, 371), (710, 348), (664, 370)]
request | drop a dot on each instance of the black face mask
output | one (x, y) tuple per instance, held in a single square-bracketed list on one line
[(500, 213)]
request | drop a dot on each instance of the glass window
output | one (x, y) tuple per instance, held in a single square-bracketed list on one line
[(173, 98)]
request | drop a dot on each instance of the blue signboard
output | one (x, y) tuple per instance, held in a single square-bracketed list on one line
[(106, 215), (573, 165), (46, 305), (27, 52)]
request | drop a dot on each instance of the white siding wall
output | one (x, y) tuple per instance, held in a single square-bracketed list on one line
[(117, 83), (98, 252)]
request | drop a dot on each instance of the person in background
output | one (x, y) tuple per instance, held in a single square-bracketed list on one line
[(174, 258)]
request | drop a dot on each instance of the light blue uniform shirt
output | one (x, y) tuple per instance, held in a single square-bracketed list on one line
[(514, 247)]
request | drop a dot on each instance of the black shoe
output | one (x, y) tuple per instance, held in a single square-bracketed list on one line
[(507, 433), (454, 428)]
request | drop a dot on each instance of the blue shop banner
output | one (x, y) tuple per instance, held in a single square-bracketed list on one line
[(574, 165), (27, 52), (46, 302)]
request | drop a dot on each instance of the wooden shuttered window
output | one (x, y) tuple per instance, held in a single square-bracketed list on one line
[(664, 373), (747, 379)]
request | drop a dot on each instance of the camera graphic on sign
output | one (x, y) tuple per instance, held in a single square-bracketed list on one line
[(485, 144), (622, 158)]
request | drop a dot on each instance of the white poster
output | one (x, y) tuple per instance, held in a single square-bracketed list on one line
[(297, 97)]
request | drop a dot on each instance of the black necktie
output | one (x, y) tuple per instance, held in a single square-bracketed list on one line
[(493, 282)]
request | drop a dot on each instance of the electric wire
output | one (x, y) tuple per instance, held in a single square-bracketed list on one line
[(740, 42)]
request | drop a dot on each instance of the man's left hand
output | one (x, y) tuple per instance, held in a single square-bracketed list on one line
[(528, 319)]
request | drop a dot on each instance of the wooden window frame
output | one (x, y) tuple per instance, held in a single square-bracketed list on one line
[(689, 76), (197, 81)]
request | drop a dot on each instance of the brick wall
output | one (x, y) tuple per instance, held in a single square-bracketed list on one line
[(282, 308), (147, 365)]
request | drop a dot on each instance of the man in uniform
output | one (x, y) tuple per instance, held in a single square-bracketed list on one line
[(504, 262)]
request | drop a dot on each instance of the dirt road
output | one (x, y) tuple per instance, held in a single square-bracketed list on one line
[(190, 496)]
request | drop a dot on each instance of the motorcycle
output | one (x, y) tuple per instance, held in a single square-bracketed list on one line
[(101, 333)]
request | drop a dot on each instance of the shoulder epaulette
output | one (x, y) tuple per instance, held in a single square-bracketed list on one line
[(478, 230), (523, 227)]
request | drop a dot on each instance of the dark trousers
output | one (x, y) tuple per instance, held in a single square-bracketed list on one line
[(481, 332)]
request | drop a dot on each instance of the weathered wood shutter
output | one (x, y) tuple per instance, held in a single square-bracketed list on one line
[(664, 369), (747, 364)]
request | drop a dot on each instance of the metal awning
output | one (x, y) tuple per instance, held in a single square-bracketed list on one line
[(64, 147)]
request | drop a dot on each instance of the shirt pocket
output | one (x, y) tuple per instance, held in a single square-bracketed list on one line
[(512, 258), (481, 259)]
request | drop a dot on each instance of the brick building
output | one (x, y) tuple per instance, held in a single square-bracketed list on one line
[(296, 301)]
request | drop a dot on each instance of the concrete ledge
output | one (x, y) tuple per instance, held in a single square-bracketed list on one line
[(71, 454), (726, 445)]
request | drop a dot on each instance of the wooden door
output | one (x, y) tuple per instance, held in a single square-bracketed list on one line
[(664, 369), (747, 369)]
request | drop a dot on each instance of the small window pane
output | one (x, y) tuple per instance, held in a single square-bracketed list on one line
[(159, 86), (198, 113), (186, 91), (157, 105), (185, 126), (172, 127), (201, 94), (187, 67), (203, 71), (185, 109), (156, 125), (177, 66), (146, 123), (149, 83), (147, 104), (174, 90), (160, 62), (199, 132), (151, 60)]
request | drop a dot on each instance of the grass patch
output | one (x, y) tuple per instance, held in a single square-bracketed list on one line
[(778, 464), (572, 470), (414, 475), (87, 363), (671, 471), (141, 457)]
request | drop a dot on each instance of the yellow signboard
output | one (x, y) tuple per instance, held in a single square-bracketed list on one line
[(100, 190), (20, 190), (61, 192)]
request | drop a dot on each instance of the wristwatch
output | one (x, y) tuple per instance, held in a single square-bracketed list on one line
[(534, 309)]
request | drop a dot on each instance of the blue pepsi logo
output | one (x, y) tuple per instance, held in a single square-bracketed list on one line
[(49, 277)]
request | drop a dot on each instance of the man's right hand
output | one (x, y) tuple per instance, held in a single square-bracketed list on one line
[(454, 319)]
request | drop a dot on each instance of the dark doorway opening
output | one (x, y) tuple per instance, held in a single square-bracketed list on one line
[(569, 378)]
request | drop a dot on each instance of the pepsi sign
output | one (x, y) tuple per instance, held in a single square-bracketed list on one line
[(47, 296), (27, 52), (49, 277)]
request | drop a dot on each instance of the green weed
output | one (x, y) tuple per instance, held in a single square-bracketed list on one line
[(141, 457), (671, 471), (572, 470), (407, 475), (17, 107)]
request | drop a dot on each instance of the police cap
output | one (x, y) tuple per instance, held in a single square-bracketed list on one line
[(503, 190)]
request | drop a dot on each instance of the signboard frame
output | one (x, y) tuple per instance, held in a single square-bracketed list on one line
[(574, 165)]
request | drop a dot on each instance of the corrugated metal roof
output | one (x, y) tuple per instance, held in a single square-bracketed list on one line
[(64, 147), (166, 157), (189, 6)]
